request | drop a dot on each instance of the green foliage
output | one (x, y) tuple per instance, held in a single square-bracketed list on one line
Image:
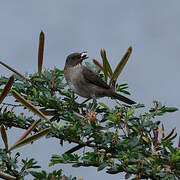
[(49, 176), (12, 166), (119, 139), (116, 139), (26, 167)]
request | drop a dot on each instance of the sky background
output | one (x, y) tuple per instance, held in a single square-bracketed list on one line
[(150, 27)]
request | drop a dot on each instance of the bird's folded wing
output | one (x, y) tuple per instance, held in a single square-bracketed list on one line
[(94, 78)]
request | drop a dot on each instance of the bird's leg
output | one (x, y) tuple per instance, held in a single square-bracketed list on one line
[(94, 104), (82, 104)]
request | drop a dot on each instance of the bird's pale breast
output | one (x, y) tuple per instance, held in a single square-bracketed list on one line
[(76, 81)]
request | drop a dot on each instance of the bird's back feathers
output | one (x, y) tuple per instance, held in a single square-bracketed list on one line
[(93, 78)]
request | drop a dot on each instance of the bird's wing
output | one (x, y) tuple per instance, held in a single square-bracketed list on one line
[(93, 78)]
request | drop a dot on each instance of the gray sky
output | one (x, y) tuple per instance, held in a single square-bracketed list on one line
[(151, 27)]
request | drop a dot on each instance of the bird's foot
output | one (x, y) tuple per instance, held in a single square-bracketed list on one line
[(94, 105)]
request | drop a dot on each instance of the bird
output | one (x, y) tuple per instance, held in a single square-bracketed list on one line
[(87, 83)]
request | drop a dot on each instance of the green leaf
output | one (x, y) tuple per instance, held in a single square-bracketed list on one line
[(28, 105), (128, 175), (123, 85), (145, 139), (130, 112), (30, 139), (4, 136), (175, 157), (39, 175), (64, 158), (6, 88), (104, 105), (40, 52), (101, 166), (169, 109), (114, 169), (120, 66), (125, 92), (106, 65), (92, 67), (112, 117), (29, 130), (139, 106)]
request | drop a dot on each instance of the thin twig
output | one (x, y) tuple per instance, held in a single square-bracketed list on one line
[(14, 105), (78, 115), (53, 78), (85, 101), (13, 70), (76, 148), (7, 176)]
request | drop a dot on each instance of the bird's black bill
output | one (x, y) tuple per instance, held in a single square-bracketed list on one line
[(84, 55)]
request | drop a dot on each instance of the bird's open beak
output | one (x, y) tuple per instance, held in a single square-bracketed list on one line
[(84, 55)]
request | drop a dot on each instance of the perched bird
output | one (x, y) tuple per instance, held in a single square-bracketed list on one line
[(85, 82)]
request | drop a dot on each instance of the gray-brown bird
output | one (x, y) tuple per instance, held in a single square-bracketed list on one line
[(85, 82)]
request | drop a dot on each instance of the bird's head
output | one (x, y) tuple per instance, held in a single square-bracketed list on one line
[(75, 59)]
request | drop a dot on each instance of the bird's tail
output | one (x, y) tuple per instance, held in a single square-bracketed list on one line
[(123, 98)]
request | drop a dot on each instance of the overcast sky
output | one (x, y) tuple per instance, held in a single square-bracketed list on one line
[(152, 28)]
